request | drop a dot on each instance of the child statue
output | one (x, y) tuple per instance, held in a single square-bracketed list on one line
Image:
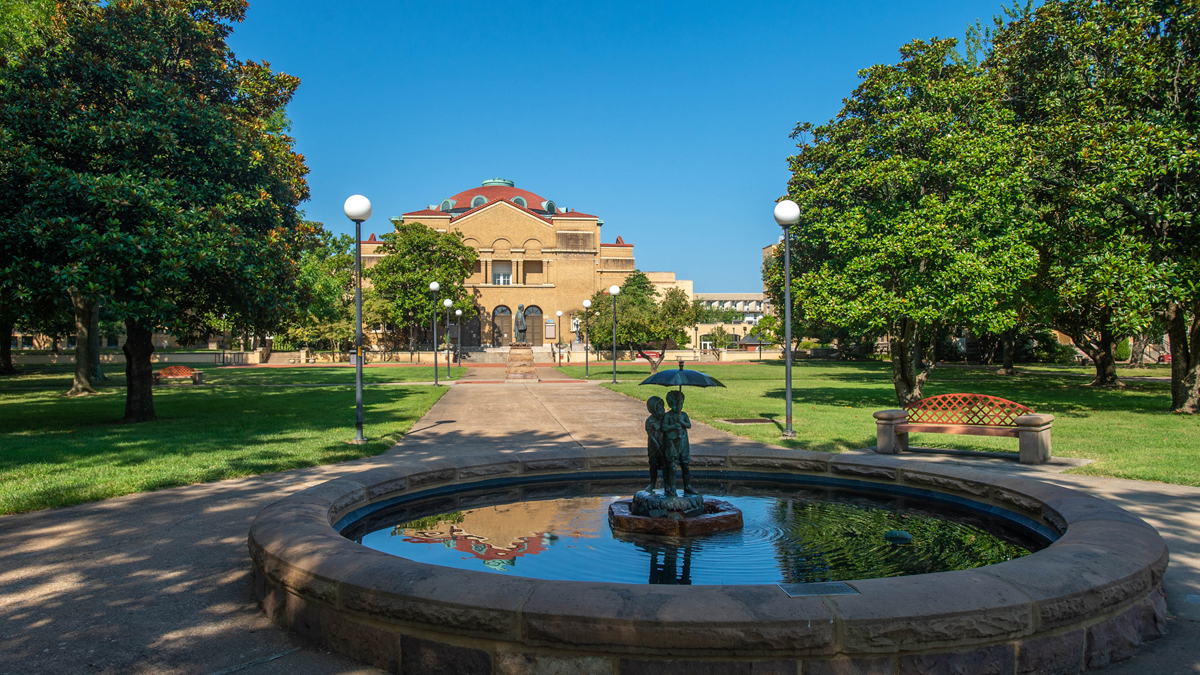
[(654, 439), (678, 451)]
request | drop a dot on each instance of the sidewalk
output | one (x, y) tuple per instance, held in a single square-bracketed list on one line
[(159, 582)]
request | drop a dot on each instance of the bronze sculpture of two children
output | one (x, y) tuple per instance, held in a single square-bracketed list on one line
[(667, 443)]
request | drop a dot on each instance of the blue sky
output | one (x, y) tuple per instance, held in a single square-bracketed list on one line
[(669, 120)]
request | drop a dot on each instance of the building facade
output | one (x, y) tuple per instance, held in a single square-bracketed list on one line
[(532, 253)]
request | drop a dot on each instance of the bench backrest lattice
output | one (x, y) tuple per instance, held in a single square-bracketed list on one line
[(177, 371), (969, 409)]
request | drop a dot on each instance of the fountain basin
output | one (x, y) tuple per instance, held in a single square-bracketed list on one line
[(1087, 599)]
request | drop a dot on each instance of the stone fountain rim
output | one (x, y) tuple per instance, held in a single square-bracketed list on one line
[(1106, 566)]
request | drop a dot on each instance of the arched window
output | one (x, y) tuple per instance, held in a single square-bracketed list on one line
[(520, 201), (549, 207), (533, 310), (447, 204), (477, 201), (501, 311)]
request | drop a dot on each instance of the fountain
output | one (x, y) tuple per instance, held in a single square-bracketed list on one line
[(815, 563)]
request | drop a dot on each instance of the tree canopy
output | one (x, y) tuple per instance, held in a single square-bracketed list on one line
[(148, 168), (642, 319)]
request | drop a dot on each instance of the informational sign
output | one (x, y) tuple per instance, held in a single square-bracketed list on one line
[(550, 330)]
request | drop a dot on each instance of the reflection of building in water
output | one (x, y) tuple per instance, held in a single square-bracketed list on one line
[(498, 535), (670, 564)]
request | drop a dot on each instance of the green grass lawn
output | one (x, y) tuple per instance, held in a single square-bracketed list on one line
[(1128, 431), (61, 376), (58, 451)]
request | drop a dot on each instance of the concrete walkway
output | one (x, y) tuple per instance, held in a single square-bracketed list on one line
[(159, 582)]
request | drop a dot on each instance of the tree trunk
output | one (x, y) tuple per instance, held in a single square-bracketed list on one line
[(1100, 351), (1137, 358), (6, 331), (139, 375), (97, 374), (662, 354), (907, 374), (1009, 340), (1185, 359), (82, 308)]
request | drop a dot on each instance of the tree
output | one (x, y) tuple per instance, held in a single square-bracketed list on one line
[(706, 314), (641, 320), (327, 272), (415, 256), (1108, 98), (908, 201), (719, 337), (148, 168)]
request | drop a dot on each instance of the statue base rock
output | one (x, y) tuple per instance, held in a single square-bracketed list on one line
[(673, 515)]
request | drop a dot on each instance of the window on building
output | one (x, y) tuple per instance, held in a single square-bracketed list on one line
[(112, 341), (502, 273), (15, 339), (447, 204), (26, 342), (478, 200), (520, 201)]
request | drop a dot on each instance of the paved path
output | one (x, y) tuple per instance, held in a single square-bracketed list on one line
[(159, 582)]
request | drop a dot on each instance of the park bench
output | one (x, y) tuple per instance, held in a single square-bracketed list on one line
[(178, 373), (974, 414)]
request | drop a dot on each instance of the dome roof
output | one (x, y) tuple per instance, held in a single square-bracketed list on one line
[(493, 190)]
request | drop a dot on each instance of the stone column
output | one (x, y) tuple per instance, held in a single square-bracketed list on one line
[(1033, 437), (887, 441), (517, 269), (487, 271)]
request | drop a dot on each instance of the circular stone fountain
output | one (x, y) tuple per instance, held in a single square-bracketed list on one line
[(1088, 598)]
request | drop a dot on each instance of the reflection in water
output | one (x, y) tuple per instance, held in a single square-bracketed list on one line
[(792, 535)]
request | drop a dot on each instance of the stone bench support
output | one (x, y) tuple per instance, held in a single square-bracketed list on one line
[(1033, 435), (889, 440)]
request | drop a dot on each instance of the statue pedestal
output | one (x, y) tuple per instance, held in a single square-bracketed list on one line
[(673, 515), (520, 363)]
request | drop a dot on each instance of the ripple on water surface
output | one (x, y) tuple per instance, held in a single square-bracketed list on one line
[(791, 535)]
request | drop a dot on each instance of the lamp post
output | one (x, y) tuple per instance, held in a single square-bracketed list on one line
[(447, 303), (787, 213), (358, 209), (434, 287), (587, 309), (614, 291), (558, 334), (458, 347)]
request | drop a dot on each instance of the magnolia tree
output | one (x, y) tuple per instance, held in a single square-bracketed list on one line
[(1107, 99), (907, 203), (143, 166)]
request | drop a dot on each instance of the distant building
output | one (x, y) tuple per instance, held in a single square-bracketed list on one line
[(532, 252), (666, 280), (753, 306)]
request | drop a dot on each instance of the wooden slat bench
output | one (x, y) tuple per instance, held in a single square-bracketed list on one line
[(974, 414), (178, 373)]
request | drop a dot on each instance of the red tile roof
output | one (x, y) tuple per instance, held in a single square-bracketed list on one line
[(496, 193), (573, 214), (620, 242), (426, 212)]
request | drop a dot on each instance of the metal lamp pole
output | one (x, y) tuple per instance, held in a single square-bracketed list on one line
[(558, 329), (434, 287), (458, 346), (787, 213), (447, 303), (358, 209), (614, 291), (587, 336)]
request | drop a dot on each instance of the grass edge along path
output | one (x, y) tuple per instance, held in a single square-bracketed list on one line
[(1128, 431), (61, 451)]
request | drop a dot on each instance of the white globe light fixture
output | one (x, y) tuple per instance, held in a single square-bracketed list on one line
[(447, 303), (358, 209), (614, 290), (587, 304), (787, 213), (434, 286)]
